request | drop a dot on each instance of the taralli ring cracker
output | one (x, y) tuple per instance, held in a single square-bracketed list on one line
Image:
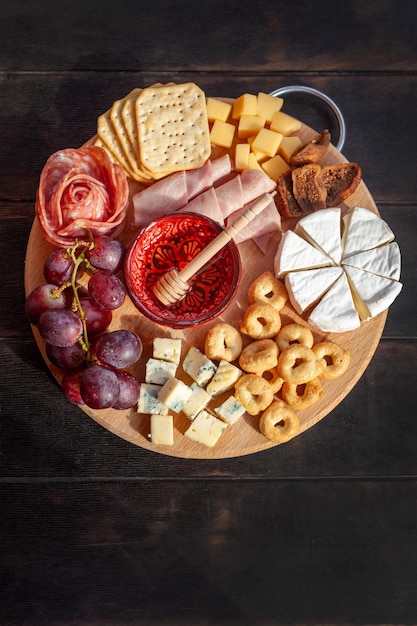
[(223, 342), (294, 333), (254, 393), (334, 358), (259, 356), (268, 289), (279, 423), (298, 364), (302, 396), (261, 321)]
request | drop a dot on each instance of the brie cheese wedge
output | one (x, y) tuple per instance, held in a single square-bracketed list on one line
[(294, 253), (305, 288), (384, 260), (336, 312), (372, 293), (323, 230), (363, 230)]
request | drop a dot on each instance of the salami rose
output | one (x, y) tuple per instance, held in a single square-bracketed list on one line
[(81, 188)]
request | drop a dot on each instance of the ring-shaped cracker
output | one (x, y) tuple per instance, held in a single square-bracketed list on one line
[(294, 333), (274, 379), (279, 423), (311, 392), (334, 359), (298, 364), (223, 343), (261, 321), (254, 393), (259, 356), (268, 289)]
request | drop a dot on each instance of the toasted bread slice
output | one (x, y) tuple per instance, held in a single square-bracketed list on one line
[(340, 182)]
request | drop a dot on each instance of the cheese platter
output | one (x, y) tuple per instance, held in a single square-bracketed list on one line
[(244, 437)]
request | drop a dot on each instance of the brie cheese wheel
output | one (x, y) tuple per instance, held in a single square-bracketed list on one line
[(343, 271)]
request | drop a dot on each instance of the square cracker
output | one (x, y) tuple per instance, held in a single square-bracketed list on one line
[(172, 126)]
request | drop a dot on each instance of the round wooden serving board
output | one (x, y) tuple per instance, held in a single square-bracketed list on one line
[(244, 437)]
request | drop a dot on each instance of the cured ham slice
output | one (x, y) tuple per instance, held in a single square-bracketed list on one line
[(205, 204), (268, 221), (173, 192), (78, 189)]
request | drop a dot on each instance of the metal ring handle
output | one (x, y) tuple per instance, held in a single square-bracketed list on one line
[(333, 106)]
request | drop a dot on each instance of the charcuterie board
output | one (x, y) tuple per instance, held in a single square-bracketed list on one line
[(244, 437)]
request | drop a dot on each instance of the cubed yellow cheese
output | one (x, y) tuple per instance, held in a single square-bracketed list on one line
[(218, 110), (162, 430), (259, 155), (253, 163), (284, 123), (275, 166), (242, 152), (246, 104), (222, 134), (267, 141), (268, 105), (249, 125), (288, 146)]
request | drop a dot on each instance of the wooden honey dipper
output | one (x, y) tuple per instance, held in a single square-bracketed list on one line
[(173, 285)]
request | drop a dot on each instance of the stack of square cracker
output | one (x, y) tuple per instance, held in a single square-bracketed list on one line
[(156, 131)]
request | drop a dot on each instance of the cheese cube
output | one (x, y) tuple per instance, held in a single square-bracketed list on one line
[(275, 167), (206, 429), (289, 146), (249, 125), (253, 163), (267, 105), (162, 430), (198, 366), (230, 410), (242, 151), (222, 134), (224, 379), (246, 104), (158, 371), (284, 123), (198, 401), (167, 349), (259, 155), (267, 141), (217, 109), (148, 400), (174, 394)]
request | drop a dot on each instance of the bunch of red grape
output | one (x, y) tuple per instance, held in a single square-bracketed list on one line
[(75, 325)]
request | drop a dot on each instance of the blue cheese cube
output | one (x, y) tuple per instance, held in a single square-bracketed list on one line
[(206, 429), (167, 349), (158, 371), (230, 410), (162, 430), (198, 401), (198, 366), (174, 394), (148, 400), (224, 379)]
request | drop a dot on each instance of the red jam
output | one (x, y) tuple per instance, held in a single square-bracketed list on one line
[(171, 242)]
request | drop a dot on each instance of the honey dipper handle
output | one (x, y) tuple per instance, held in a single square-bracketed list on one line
[(224, 237)]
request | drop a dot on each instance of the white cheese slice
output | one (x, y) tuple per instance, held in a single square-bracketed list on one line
[(306, 287), (384, 260), (323, 230), (162, 430), (363, 230), (294, 253), (336, 312), (372, 293), (206, 429)]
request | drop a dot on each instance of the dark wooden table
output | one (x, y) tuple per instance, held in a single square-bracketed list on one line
[(97, 531)]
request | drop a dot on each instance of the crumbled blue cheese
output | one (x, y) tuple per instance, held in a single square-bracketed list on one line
[(198, 401), (224, 379), (148, 400), (206, 429), (230, 410), (162, 430), (198, 366), (167, 349), (158, 371), (174, 394)]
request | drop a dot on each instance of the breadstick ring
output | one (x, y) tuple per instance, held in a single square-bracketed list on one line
[(254, 393), (223, 343), (259, 356), (333, 358), (273, 378), (279, 423), (294, 333), (261, 321), (268, 289), (302, 396), (298, 364)]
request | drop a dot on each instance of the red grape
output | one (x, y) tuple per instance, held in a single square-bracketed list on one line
[(99, 387), (107, 254), (60, 327), (129, 390), (66, 358), (97, 320), (119, 348), (42, 299), (71, 386), (107, 290), (58, 267)]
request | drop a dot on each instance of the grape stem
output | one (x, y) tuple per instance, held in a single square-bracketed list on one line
[(78, 259)]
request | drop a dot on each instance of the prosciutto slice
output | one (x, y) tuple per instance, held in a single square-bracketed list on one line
[(78, 189), (260, 229)]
